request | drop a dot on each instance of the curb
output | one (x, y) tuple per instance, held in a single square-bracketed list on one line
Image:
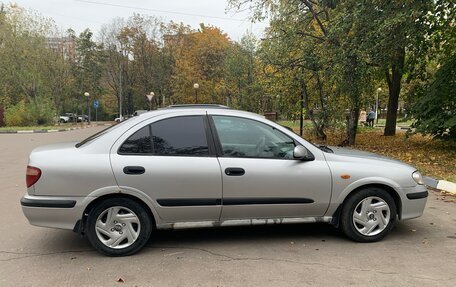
[(50, 130), (403, 128), (447, 186)]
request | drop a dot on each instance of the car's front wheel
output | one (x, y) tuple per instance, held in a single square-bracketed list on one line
[(368, 215), (118, 227)]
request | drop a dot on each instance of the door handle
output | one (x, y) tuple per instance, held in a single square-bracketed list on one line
[(134, 170), (234, 171)]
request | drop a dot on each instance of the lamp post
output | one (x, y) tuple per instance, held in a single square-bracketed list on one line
[(87, 95), (196, 87), (376, 105), (150, 97), (120, 85)]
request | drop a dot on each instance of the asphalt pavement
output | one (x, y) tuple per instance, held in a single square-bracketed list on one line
[(419, 252)]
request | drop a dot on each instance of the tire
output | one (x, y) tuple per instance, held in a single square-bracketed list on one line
[(124, 227), (368, 215)]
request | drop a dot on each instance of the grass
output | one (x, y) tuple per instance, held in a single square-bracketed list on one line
[(400, 122), (29, 128), (381, 122), (295, 125)]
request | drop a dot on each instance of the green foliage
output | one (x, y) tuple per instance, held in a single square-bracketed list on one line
[(243, 78), (334, 51), (435, 110), (312, 55), (40, 112), (16, 115)]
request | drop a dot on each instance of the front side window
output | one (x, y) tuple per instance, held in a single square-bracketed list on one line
[(241, 137), (180, 136)]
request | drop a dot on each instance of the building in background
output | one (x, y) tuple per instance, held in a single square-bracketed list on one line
[(64, 46)]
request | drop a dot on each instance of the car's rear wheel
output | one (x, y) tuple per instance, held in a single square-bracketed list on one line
[(368, 215), (118, 227)]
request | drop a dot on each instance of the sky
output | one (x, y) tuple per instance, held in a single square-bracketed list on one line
[(81, 14)]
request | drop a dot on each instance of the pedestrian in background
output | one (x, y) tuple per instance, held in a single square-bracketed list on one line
[(370, 118), (362, 117)]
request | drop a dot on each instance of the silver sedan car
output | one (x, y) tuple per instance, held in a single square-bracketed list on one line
[(208, 165)]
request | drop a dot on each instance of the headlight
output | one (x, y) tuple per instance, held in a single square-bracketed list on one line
[(417, 177)]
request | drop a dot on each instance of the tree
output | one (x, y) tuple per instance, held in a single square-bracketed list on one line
[(395, 35), (318, 45), (87, 69), (135, 63), (432, 96), (435, 110), (26, 61), (242, 75), (201, 59)]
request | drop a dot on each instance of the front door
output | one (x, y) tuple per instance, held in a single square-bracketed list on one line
[(261, 179)]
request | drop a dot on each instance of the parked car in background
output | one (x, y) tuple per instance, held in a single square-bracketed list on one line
[(125, 117), (166, 169), (139, 112), (64, 119), (83, 118), (72, 117)]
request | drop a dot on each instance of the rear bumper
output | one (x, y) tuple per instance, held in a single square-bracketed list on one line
[(413, 201), (54, 212), (59, 203)]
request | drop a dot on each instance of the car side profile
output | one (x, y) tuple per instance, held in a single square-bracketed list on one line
[(208, 165)]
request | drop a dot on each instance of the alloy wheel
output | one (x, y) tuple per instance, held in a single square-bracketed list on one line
[(371, 216), (117, 227)]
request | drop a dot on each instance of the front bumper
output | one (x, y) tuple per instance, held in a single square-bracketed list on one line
[(413, 201), (54, 212)]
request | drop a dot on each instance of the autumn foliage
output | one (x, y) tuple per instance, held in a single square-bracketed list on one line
[(200, 58)]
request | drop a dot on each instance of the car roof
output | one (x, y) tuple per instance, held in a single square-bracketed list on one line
[(195, 106), (202, 108)]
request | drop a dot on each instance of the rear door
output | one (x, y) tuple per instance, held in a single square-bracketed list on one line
[(171, 160)]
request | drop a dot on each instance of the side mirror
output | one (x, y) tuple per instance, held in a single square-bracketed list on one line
[(302, 153)]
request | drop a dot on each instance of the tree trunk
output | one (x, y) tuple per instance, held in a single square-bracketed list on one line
[(301, 117), (319, 130), (352, 125), (394, 89)]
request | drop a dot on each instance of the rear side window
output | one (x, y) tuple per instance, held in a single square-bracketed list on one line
[(138, 143), (180, 136)]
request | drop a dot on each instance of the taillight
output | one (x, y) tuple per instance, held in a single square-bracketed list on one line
[(32, 175)]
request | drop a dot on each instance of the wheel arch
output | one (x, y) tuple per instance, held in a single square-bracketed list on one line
[(391, 191), (81, 223)]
